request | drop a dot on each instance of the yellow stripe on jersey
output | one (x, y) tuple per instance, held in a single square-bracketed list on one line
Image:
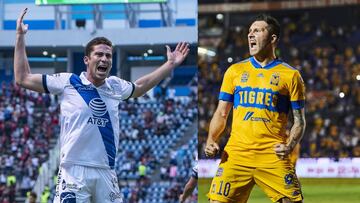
[(262, 98)]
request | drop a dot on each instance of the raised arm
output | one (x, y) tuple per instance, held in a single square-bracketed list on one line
[(23, 76), (296, 133), (217, 126), (175, 58)]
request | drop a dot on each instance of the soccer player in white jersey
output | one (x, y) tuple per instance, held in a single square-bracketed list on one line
[(89, 115), (190, 185)]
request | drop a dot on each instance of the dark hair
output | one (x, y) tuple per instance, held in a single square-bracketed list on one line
[(274, 25), (96, 41)]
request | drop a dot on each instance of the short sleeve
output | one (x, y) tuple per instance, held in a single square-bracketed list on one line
[(227, 87), (122, 87), (55, 83), (297, 92), (194, 173)]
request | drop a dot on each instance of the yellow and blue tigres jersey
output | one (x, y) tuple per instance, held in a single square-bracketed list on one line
[(262, 98)]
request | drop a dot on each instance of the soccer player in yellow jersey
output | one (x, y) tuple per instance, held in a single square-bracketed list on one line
[(261, 90)]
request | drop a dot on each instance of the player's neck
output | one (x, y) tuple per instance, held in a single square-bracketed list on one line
[(96, 83), (263, 60)]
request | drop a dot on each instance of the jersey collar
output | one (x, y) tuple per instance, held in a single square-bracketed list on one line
[(272, 64), (85, 81)]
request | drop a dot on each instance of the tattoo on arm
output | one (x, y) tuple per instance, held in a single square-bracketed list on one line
[(297, 130)]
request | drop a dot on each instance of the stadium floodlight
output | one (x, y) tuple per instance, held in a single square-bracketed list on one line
[(64, 2), (220, 16), (341, 94), (204, 51)]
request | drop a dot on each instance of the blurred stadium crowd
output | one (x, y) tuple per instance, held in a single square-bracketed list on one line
[(326, 53), (28, 123), (158, 144)]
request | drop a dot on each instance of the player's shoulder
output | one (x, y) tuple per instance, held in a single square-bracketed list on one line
[(239, 65), (63, 77), (286, 67), (244, 61), (115, 81), (287, 72)]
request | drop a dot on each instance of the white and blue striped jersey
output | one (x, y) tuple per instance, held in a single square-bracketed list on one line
[(89, 117)]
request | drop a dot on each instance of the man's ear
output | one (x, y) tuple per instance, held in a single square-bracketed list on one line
[(274, 38), (86, 60)]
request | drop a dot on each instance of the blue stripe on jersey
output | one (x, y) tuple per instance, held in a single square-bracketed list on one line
[(44, 83), (226, 97), (261, 98), (298, 104), (272, 64), (89, 93)]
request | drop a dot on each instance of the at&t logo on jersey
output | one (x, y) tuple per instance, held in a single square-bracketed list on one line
[(98, 109)]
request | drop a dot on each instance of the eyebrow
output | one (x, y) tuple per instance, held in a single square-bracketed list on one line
[(102, 52), (261, 28)]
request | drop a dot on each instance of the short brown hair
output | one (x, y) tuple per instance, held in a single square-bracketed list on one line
[(274, 25), (96, 41)]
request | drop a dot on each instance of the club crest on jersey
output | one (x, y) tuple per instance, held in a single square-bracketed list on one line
[(244, 77), (98, 109), (275, 78)]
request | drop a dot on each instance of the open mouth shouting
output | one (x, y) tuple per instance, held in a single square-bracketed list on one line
[(102, 68), (252, 44)]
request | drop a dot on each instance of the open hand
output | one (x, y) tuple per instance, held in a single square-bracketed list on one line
[(179, 54), (21, 28)]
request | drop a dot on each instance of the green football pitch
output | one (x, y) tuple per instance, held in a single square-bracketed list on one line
[(315, 190)]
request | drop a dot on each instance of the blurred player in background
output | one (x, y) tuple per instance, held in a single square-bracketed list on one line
[(261, 89), (190, 185), (32, 197), (89, 115)]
